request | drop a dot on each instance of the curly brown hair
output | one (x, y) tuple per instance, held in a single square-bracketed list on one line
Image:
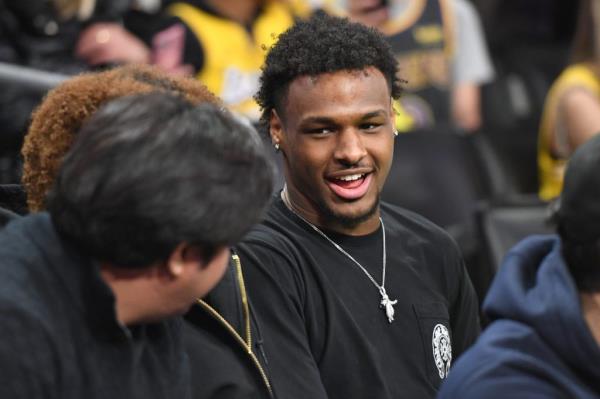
[(57, 120)]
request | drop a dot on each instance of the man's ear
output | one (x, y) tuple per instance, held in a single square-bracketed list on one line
[(276, 130), (182, 257), (393, 113)]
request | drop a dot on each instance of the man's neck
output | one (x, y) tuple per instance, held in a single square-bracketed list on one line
[(240, 11), (329, 223), (129, 286), (590, 305)]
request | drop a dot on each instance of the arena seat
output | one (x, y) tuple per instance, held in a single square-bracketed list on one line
[(502, 227)]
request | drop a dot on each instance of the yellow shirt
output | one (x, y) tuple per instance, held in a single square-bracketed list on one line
[(233, 55), (551, 166)]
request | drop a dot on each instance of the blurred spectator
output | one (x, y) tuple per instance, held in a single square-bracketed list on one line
[(68, 36), (529, 43), (544, 305), (441, 52), (572, 110), (225, 42), (56, 122), (63, 36)]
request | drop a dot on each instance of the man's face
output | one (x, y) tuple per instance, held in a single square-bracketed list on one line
[(336, 135), (196, 279)]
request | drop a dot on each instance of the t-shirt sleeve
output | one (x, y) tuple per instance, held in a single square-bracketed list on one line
[(276, 294), (472, 62), (27, 359)]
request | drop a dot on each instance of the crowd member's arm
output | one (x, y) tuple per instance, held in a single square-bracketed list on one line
[(578, 117), (158, 39), (471, 68), (110, 43), (174, 46), (276, 293)]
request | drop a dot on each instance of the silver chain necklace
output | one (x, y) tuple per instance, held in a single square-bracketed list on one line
[(386, 303)]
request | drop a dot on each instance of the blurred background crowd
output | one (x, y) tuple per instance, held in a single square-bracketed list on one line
[(497, 94)]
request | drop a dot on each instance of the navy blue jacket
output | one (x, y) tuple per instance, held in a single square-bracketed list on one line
[(539, 345)]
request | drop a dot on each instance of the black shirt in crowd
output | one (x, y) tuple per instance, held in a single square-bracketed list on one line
[(60, 337), (324, 332)]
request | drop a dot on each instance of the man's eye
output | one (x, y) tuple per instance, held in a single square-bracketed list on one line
[(369, 126), (320, 130)]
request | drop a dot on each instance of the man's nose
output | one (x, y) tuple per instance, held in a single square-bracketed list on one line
[(350, 148)]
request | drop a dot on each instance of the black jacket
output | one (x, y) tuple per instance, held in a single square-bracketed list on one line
[(218, 341), (60, 334), (224, 343)]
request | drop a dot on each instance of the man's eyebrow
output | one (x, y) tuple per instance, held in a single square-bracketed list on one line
[(317, 120), (369, 115), (326, 120)]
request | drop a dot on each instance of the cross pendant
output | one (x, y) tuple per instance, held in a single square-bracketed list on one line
[(387, 304)]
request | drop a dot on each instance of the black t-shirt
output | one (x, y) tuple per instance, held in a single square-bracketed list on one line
[(324, 332)]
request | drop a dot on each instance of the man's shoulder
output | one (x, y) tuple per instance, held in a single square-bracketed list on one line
[(21, 232), (277, 229), (23, 243), (29, 250), (17, 243), (280, 233), (413, 224), (270, 242)]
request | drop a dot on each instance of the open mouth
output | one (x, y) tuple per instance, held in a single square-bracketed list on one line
[(350, 187)]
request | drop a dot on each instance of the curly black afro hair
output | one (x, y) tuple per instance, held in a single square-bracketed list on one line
[(319, 45)]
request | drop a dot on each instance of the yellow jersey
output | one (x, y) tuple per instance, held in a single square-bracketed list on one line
[(233, 55), (551, 165)]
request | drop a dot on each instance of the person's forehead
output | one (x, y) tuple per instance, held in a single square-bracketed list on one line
[(306, 82), (340, 90)]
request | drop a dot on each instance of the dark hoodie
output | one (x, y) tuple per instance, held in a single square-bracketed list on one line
[(539, 345)]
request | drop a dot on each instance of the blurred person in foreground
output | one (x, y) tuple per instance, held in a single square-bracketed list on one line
[(442, 56), (221, 339), (572, 110), (357, 298), (544, 305), (56, 122), (139, 223)]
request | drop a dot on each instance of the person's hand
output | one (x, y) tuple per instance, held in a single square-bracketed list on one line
[(108, 43), (168, 48)]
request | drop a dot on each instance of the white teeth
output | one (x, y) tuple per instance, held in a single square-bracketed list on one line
[(351, 177)]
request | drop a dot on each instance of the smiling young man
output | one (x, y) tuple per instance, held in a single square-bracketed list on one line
[(356, 298)]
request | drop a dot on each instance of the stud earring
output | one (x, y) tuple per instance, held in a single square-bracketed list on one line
[(395, 132), (276, 145)]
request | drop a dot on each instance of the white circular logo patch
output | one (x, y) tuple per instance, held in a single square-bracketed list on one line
[(442, 349)]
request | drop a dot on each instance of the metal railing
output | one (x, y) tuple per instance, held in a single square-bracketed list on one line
[(30, 78)]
